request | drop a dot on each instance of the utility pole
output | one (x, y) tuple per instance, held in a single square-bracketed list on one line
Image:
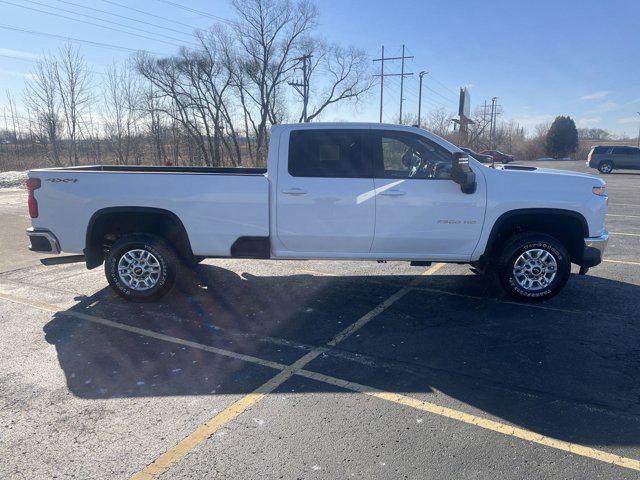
[(493, 107), (302, 87), (484, 113), (638, 133), (402, 74), (421, 74), (493, 120), (381, 81)]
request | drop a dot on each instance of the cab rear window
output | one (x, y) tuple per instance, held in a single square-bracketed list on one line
[(338, 153)]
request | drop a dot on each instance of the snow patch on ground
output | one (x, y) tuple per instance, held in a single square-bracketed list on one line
[(13, 179)]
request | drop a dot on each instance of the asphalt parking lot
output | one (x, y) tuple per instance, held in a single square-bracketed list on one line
[(257, 369)]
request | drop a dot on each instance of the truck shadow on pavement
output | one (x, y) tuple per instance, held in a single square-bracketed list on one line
[(564, 369)]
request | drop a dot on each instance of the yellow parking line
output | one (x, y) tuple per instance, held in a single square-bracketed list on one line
[(178, 452), (144, 332), (629, 234), (175, 454), (182, 449), (621, 261), (477, 421)]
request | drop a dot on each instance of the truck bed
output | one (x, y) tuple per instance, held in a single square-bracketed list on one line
[(216, 205), (161, 169)]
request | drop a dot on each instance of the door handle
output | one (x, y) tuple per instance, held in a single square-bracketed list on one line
[(294, 191), (393, 193)]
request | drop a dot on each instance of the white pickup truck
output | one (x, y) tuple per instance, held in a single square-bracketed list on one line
[(345, 191)]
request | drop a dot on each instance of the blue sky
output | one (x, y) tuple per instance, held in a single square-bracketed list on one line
[(540, 58)]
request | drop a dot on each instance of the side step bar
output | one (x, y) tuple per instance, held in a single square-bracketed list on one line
[(62, 260)]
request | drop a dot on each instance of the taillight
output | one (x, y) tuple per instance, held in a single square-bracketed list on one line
[(32, 185), (590, 154)]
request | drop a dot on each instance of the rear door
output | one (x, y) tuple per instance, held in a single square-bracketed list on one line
[(420, 211), (324, 203), (626, 157)]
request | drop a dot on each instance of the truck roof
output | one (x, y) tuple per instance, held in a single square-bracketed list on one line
[(365, 125)]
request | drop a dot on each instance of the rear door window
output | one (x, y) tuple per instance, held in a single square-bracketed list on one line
[(333, 153), (624, 151)]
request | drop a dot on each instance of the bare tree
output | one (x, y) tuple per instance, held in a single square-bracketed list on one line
[(269, 34), (73, 79), (121, 113), (41, 98), (439, 122), (341, 74)]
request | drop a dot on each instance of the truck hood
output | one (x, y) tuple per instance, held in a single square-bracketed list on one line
[(524, 169)]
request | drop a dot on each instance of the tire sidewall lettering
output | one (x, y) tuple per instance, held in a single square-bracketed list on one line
[(115, 278)]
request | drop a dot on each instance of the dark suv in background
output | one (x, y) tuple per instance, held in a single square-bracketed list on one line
[(607, 158)]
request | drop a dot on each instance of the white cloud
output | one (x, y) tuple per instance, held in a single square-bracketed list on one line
[(588, 121), (18, 53), (533, 120), (628, 120), (12, 73), (595, 95), (603, 107)]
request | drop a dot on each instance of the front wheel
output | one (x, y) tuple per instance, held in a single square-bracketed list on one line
[(534, 267), (141, 267), (605, 167)]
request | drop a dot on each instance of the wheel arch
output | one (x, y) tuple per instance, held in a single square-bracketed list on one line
[(567, 226), (117, 221)]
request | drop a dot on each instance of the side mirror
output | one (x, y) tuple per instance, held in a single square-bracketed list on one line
[(462, 174)]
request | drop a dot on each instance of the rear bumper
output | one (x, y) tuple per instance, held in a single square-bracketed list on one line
[(43, 240), (594, 248)]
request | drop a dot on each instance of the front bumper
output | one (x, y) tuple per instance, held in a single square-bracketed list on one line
[(594, 248), (42, 240)]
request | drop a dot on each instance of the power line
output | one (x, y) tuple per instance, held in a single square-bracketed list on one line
[(31, 60), (122, 16), (111, 2), (440, 95), (74, 40), (193, 10), (382, 75), (91, 23), (443, 85)]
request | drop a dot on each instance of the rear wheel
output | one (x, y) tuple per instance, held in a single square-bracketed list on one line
[(534, 267), (141, 267), (605, 167)]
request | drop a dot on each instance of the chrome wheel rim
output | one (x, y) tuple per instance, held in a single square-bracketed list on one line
[(535, 269), (139, 269), (606, 168)]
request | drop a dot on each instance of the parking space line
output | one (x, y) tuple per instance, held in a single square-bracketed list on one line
[(625, 205), (477, 421), (508, 302), (143, 332), (622, 233), (624, 262), (618, 215), (183, 448)]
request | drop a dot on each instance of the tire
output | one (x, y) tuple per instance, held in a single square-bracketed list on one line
[(533, 267), (157, 262), (605, 167)]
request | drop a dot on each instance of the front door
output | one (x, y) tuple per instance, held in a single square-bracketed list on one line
[(324, 203), (420, 211)]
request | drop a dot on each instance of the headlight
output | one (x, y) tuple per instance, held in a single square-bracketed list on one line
[(600, 191)]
